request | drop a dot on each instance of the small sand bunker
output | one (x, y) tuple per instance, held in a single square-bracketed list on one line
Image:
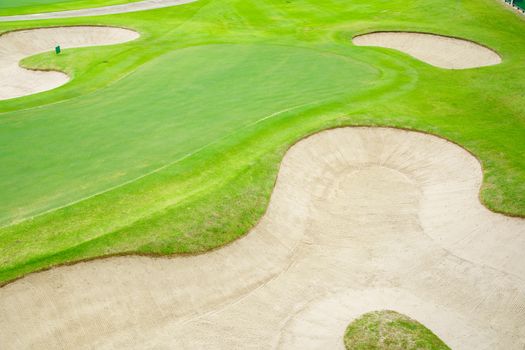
[(437, 50), (360, 219), (14, 46)]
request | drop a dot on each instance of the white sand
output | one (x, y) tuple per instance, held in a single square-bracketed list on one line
[(14, 46), (439, 51), (99, 11), (360, 219)]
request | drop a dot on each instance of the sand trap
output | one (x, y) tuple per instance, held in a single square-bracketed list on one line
[(14, 46), (99, 11), (360, 219), (437, 50)]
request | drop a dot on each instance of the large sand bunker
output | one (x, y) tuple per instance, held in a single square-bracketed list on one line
[(360, 219), (437, 50), (99, 11), (14, 46)]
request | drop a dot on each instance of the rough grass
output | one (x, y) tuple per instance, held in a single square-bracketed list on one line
[(389, 330), (181, 132)]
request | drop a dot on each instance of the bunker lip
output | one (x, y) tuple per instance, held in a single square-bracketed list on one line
[(21, 43), (352, 208), (98, 11), (439, 50)]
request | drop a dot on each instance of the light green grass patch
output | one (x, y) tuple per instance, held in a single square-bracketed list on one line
[(389, 330)]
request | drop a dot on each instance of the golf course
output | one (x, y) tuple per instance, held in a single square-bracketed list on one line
[(241, 174)]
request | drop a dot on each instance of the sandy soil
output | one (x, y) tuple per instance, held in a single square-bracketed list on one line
[(99, 11), (360, 219), (14, 46), (439, 51)]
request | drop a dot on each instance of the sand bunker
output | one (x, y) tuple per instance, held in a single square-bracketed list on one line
[(437, 50), (99, 11), (360, 219), (14, 46)]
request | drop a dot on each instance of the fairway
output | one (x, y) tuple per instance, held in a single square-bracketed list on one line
[(267, 160)]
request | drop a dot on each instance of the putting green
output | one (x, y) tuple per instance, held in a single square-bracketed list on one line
[(194, 117), (18, 7), (170, 108)]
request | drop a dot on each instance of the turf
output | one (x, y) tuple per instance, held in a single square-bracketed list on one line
[(171, 143), (389, 330), (206, 96), (19, 7)]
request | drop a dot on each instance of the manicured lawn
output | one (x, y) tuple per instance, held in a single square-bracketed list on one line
[(19, 7), (389, 330), (171, 143), (132, 127)]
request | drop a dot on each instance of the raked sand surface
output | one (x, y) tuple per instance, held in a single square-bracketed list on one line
[(16, 81), (440, 51), (98, 11), (360, 219)]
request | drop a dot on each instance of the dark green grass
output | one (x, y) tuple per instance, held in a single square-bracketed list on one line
[(389, 330), (19, 7), (200, 82)]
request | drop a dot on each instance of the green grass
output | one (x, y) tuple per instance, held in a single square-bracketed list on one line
[(19, 7), (389, 330), (171, 143), (206, 96)]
